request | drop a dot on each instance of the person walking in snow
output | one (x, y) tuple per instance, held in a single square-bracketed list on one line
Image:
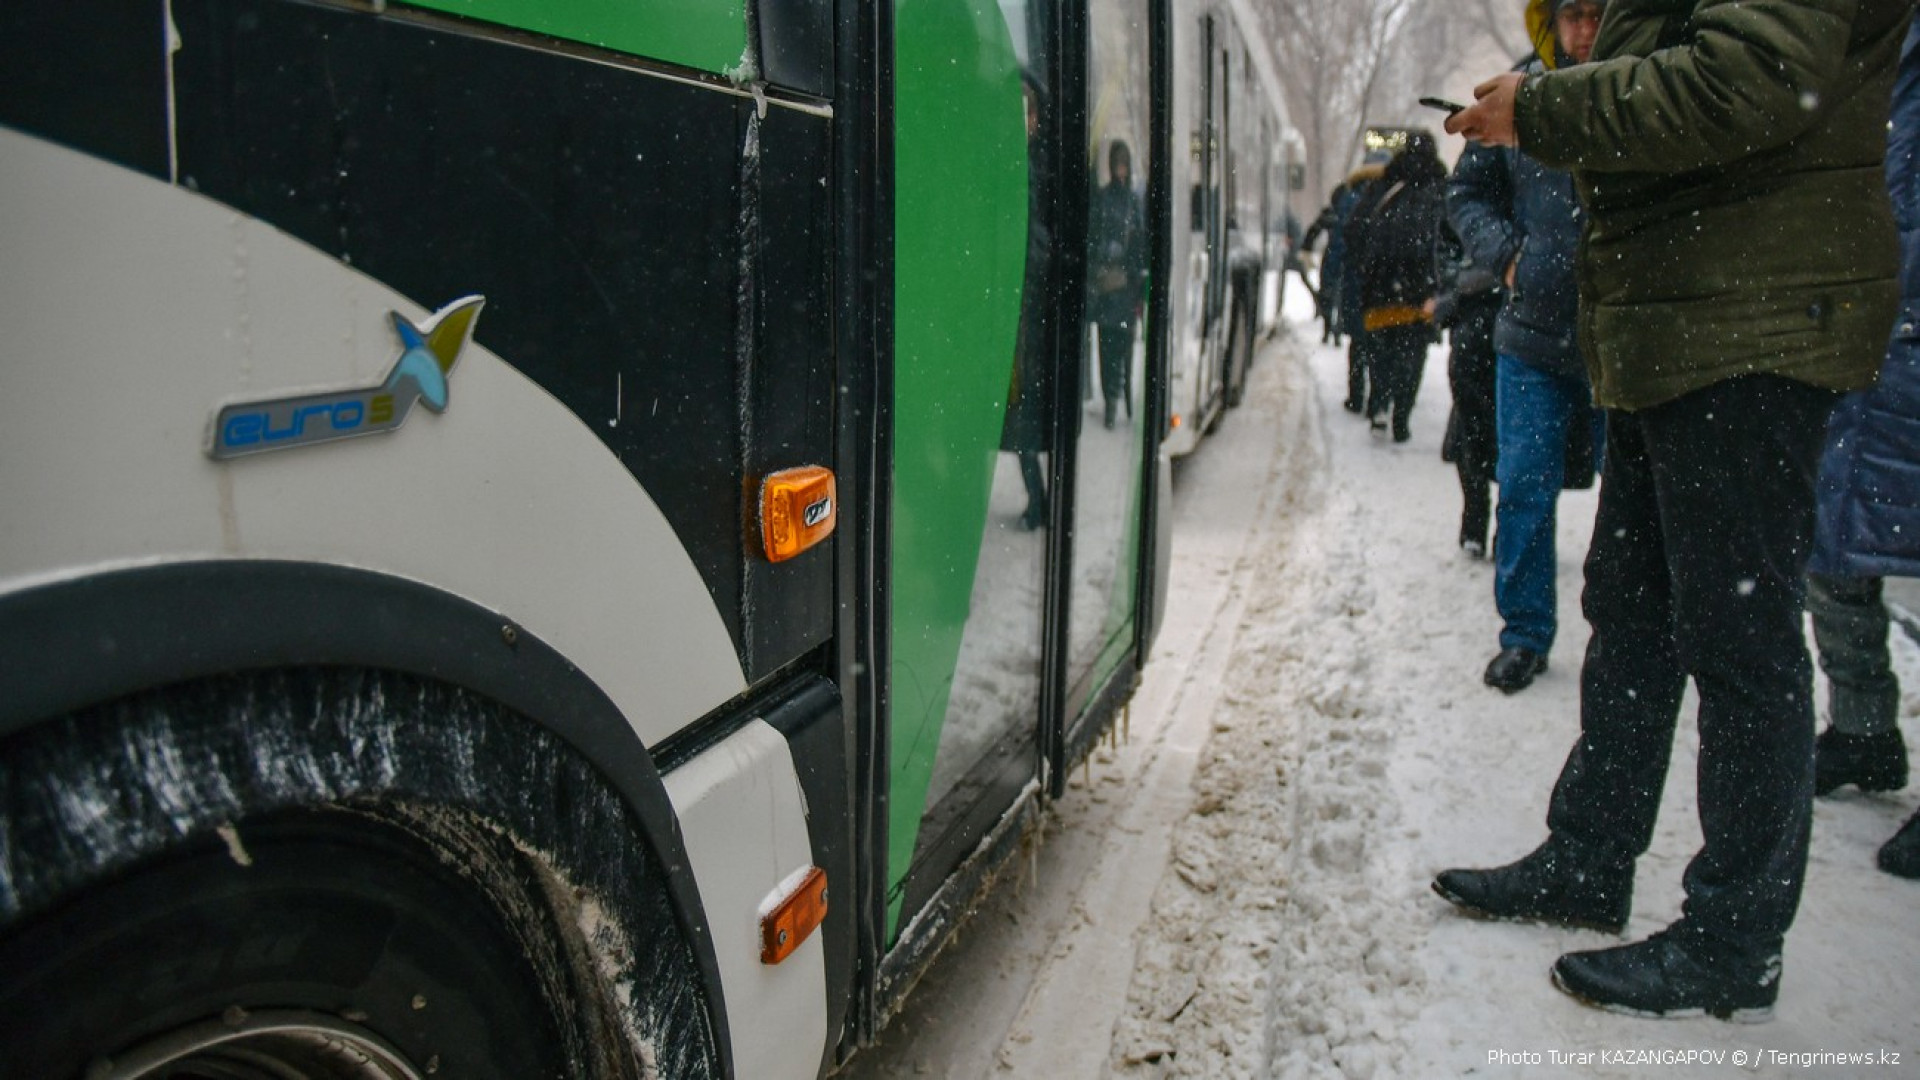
[(1366, 186), (1869, 497), (1737, 276), (1516, 214), (1393, 251), (1470, 300)]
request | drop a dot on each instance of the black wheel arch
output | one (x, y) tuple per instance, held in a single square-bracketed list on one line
[(92, 656)]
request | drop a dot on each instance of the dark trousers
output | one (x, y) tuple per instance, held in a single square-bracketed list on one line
[(1703, 530), (1397, 356), (1850, 631), (1035, 480), (1358, 363), (1470, 367), (1116, 362)]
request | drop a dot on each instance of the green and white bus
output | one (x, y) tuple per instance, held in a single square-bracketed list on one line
[(562, 538), (1229, 234)]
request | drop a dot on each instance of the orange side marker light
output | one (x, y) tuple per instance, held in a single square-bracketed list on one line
[(798, 508), (791, 915)]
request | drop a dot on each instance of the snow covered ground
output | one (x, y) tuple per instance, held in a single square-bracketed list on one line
[(1240, 888)]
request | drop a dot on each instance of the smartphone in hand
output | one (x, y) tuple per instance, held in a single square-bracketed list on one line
[(1445, 106)]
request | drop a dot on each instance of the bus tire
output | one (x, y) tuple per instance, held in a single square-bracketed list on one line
[(1239, 349), (316, 871)]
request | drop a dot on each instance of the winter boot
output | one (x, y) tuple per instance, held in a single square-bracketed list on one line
[(1870, 762), (1554, 884), (1514, 669), (1900, 856), (1675, 973)]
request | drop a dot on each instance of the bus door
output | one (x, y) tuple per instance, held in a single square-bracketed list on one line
[(976, 382), (1111, 442), (1219, 180), (1006, 624)]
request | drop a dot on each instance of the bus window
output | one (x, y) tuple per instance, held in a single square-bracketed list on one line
[(968, 611), (1112, 433)]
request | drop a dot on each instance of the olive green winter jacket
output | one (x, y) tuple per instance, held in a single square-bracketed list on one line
[(1729, 154)]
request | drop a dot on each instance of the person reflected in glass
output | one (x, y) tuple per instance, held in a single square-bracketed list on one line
[(1028, 431), (1117, 276)]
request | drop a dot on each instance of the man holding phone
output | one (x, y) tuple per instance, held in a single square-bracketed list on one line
[(1737, 274), (1522, 219)]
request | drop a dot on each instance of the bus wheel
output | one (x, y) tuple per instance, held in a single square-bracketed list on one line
[(1239, 354), (316, 945), (317, 874)]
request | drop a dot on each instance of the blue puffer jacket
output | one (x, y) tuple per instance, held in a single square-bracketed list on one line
[(1869, 522), (1503, 203)]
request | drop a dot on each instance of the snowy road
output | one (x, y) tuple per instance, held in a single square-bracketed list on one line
[(1239, 889)]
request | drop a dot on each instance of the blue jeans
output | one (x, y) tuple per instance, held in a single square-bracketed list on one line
[(1533, 409)]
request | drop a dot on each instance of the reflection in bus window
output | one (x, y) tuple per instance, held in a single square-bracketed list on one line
[(1111, 439), (1116, 277), (987, 746)]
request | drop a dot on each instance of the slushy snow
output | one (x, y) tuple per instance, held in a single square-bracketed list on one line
[(1314, 723)]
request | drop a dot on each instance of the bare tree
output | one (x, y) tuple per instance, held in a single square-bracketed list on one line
[(1330, 58), (1345, 64), (1433, 45), (1499, 21)]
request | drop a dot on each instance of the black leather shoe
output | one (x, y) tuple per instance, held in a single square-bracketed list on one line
[(1869, 762), (1514, 669), (1673, 974), (1551, 885), (1900, 856)]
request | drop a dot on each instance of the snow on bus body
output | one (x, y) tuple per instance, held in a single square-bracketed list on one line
[(134, 309)]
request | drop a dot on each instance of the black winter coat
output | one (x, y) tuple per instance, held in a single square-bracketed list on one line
[(1364, 189), (1117, 261), (1395, 256)]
